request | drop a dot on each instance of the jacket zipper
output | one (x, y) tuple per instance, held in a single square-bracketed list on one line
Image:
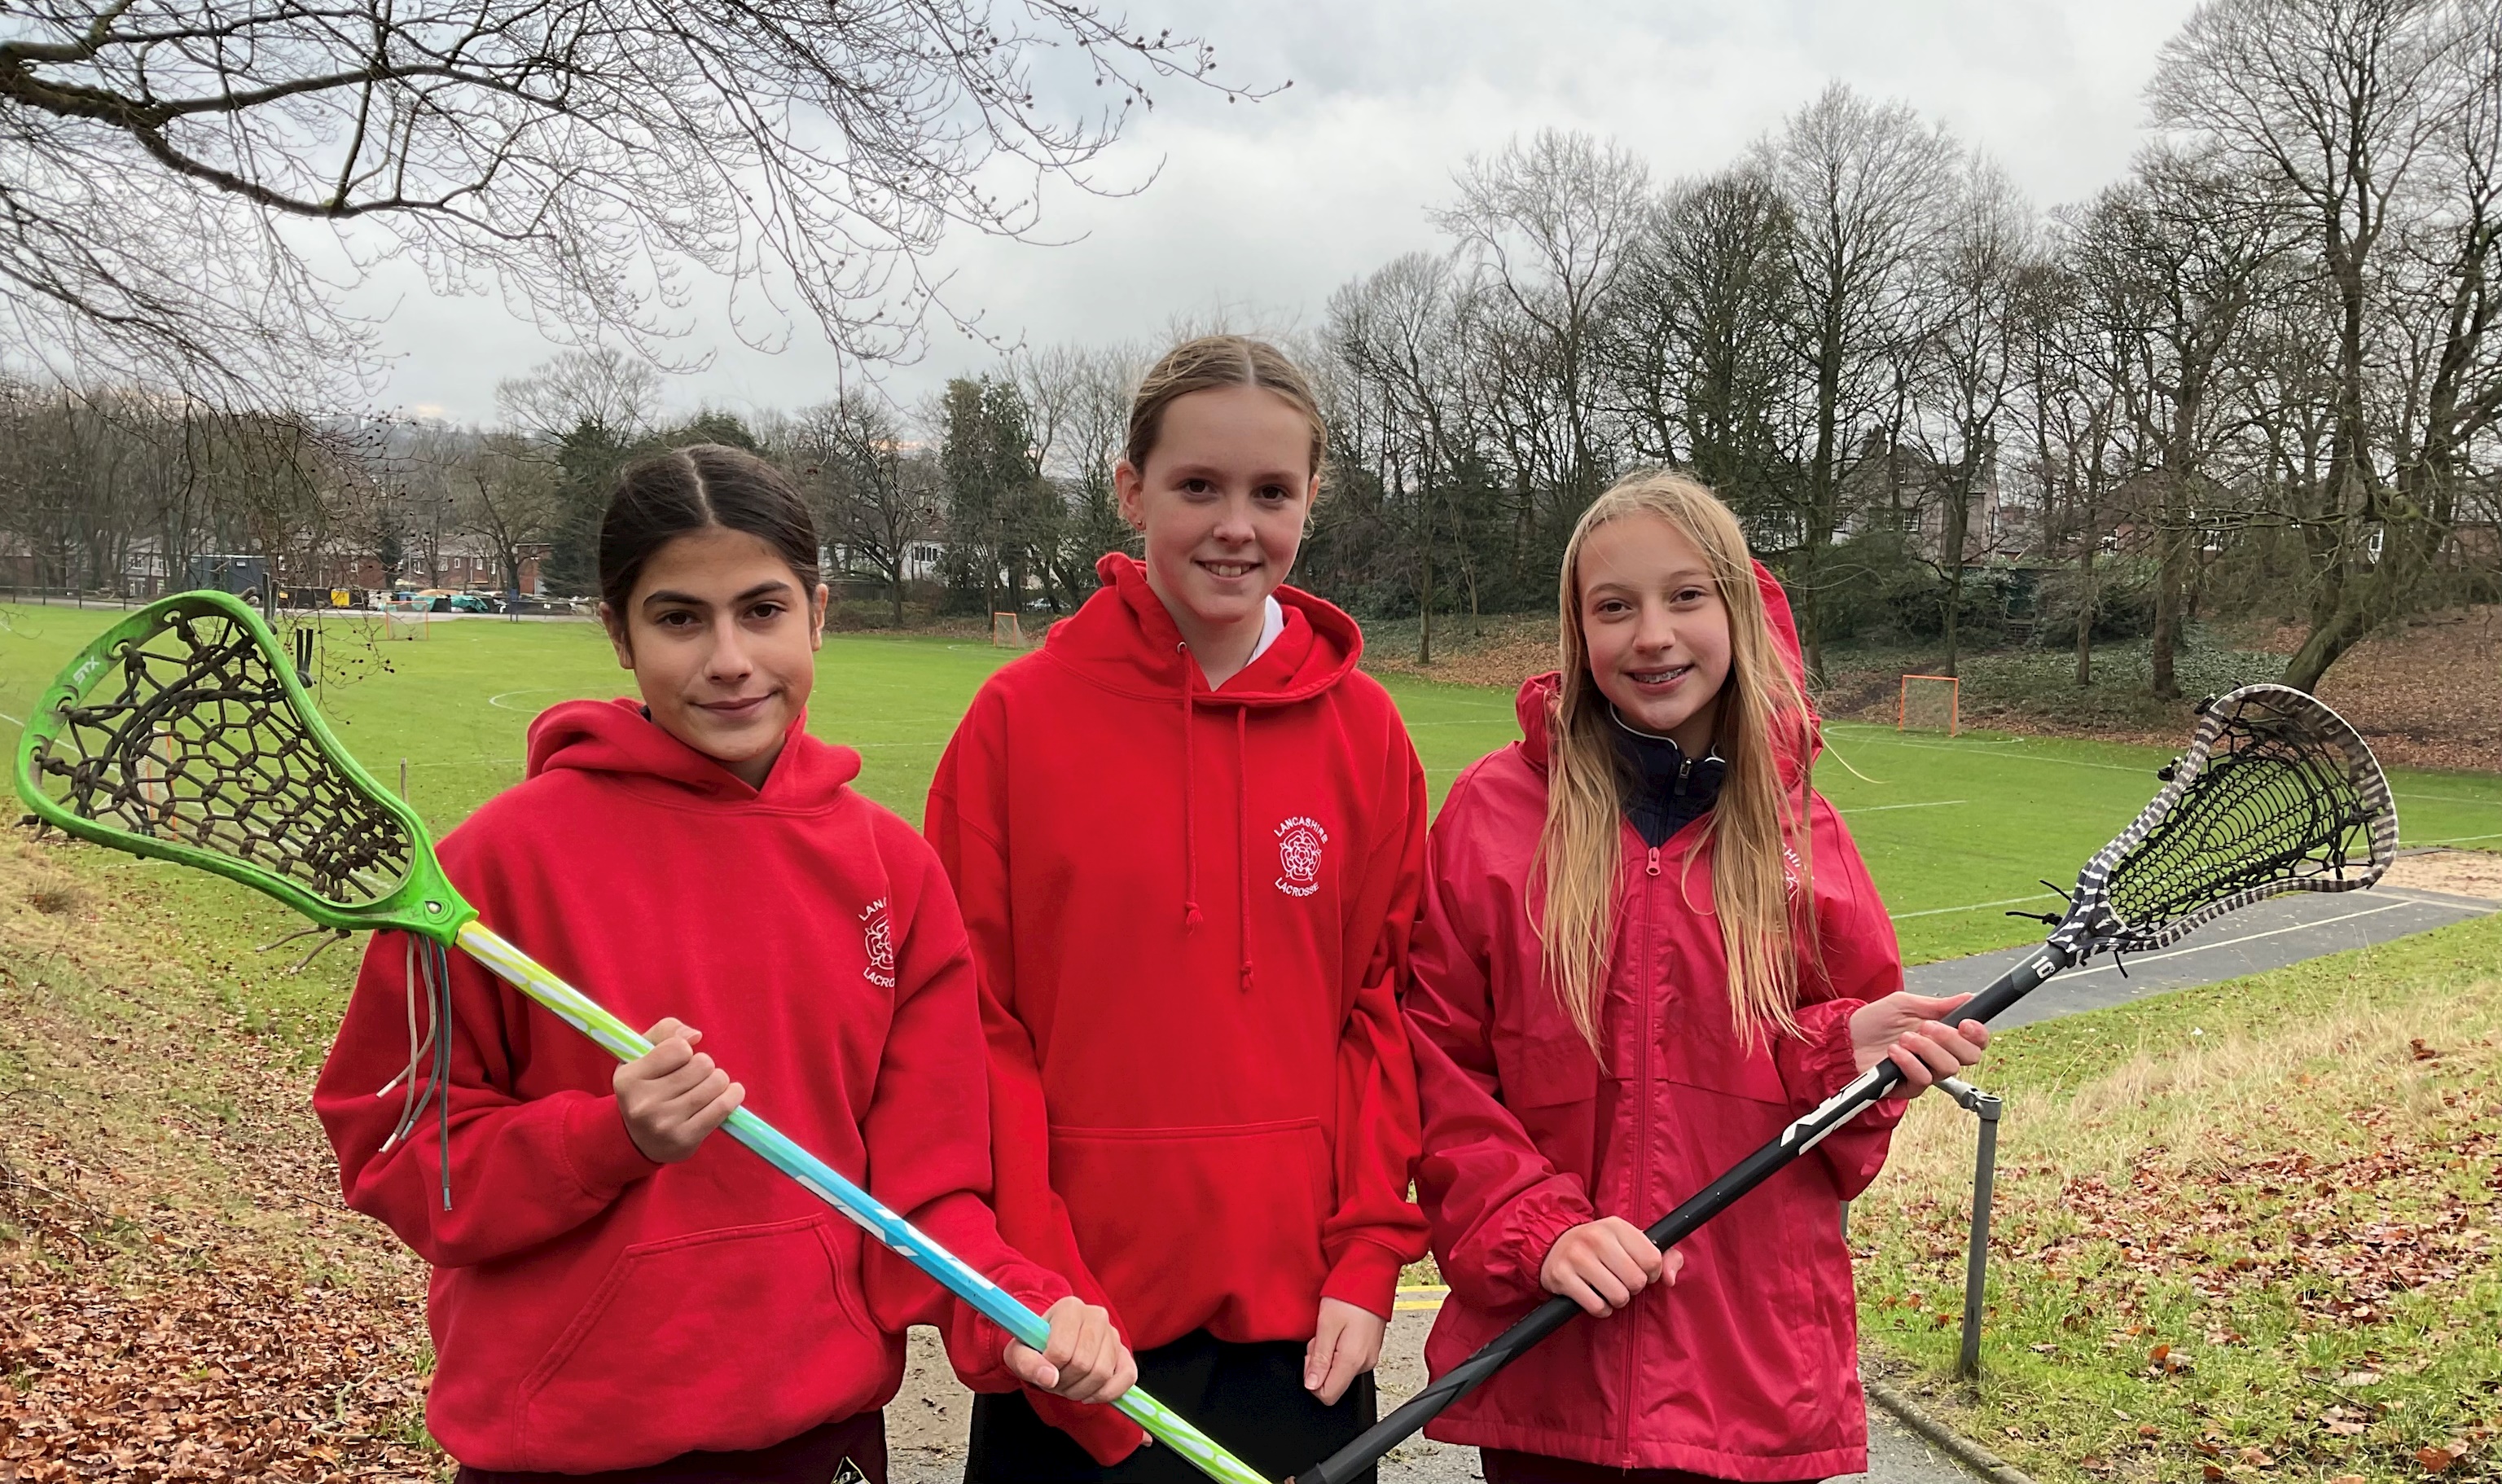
[(1643, 1036)]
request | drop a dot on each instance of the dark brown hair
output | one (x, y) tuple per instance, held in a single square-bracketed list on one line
[(1211, 362), (661, 496)]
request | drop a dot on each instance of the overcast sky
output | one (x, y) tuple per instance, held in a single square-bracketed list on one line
[(1260, 210)]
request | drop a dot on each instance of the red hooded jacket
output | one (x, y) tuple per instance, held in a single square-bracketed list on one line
[(1192, 909), (1746, 1368), (592, 1310)]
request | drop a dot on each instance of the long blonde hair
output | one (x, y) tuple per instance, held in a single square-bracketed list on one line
[(1757, 833)]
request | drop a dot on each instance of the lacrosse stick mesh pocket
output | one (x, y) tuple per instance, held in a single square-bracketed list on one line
[(2277, 794), (190, 738)]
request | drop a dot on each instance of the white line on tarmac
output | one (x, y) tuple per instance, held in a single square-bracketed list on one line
[(1935, 803), (2252, 937), (1974, 907)]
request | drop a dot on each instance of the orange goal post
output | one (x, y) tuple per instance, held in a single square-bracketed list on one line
[(1006, 631), (1930, 703)]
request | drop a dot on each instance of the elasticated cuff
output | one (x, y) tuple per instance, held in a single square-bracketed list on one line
[(601, 1153), (1540, 1231), (1365, 1273), (1822, 1064)]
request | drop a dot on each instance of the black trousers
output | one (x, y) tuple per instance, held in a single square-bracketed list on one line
[(817, 1456), (1249, 1397)]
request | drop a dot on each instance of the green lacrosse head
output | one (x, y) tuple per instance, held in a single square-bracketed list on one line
[(183, 732)]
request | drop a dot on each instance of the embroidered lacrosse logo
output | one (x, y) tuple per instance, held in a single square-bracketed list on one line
[(1299, 855), (880, 945)]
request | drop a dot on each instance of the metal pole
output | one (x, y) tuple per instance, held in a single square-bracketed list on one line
[(1975, 1273)]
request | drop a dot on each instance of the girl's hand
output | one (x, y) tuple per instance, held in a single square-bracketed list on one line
[(1083, 1359), (1911, 1030), (1602, 1265), (672, 1096), (1346, 1345)]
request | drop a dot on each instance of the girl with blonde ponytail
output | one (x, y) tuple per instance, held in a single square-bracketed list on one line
[(1647, 945)]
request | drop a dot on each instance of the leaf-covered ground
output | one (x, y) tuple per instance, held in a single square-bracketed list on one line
[(2249, 1231), (181, 1295)]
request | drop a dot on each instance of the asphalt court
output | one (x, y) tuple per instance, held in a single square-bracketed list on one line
[(2275, 934)]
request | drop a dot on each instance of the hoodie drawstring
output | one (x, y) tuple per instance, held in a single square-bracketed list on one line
[(1191, 916), (1190, 913), (1242, 830)]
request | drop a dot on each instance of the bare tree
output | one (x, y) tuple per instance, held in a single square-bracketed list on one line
[(1864, 186), (876, 496), (1548, 222), (160, 161), (2171, 264), (600, 387), (508, 498), (2376, 119), (1967, 360), (1080, 401), (1694, 348)]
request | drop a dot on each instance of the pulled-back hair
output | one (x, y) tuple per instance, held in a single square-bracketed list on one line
[(1757, 830), (703, 486), (1211, 362)]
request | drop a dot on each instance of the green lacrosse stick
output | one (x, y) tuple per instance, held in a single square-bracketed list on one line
[(183, 734)]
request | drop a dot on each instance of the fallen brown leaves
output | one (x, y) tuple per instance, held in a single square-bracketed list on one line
[(228, 1374), (2342, 1256), (181, 1295)]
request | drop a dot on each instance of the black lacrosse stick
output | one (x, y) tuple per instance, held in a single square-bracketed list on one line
[(2276, 793)]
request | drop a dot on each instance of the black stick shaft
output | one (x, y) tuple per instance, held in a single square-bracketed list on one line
[(1862, 1094)]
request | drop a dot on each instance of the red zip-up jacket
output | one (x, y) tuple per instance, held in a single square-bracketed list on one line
[(1747, 1367), (592, 1310), (1192, 909)]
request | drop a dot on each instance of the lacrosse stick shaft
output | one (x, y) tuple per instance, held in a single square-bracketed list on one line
[(862, 1209), (1863, 1093)]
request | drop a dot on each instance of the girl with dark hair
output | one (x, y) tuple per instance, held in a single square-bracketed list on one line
[(614, 1293), (1188, 836)]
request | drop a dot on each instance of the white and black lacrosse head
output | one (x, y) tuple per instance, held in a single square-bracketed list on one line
[(2276, 793)]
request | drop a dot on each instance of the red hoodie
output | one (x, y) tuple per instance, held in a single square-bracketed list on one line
[(1747, 1367), (1190, 908), (591, 1311)]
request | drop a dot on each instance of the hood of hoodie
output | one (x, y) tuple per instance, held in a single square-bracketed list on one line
[(1124, 640), (616, 738), (1535, 703)]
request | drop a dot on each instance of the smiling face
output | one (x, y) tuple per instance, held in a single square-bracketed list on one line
[(721, 639), (1222, 500), (1655, 627)]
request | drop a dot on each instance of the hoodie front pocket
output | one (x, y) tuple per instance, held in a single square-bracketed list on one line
[(710, 1339), (1167, 1217)]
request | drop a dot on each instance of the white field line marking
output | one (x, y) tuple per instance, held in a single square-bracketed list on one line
[(2252, 937), (13, 721), (2463, 839), (497, 699), (2072, 763), (1974, 907), (2116, 768), (1935, 803)]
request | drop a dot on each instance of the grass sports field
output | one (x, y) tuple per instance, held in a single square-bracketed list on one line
[(1956, 831)]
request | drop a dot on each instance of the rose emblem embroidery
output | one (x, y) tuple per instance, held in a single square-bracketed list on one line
[(878, 942), (1299, 844)]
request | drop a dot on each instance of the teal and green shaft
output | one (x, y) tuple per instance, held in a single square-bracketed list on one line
[(823, 1180)]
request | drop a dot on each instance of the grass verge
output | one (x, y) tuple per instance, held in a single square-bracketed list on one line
[(2248, 1231), (181, 1294)]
